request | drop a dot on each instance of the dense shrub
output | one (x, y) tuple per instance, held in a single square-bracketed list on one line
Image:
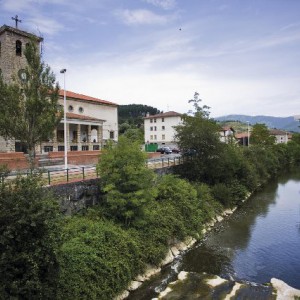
[(97, 260), (29, 240)]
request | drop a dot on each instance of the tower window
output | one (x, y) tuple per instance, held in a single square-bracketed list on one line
[(18, 48)]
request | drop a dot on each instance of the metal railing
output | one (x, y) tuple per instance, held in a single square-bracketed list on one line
[(61, 175)]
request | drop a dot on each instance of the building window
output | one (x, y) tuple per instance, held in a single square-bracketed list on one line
[(154, 120), (80, 109), (111, 135), (74, 148), (61, 148), (48, 149), (18, 48), (151, 128), (163, 137), (85, 148), (155, 137), (162, 119), (70, 108), (163, 128), (151, 137), (155, 128), (151, 120), (96, 147)]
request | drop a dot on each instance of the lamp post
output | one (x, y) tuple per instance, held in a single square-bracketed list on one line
[(63, 71), (248, 133)]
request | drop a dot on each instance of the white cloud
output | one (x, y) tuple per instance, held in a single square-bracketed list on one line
[(165, 4), (141, 16)]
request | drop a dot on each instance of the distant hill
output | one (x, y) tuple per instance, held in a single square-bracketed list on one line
[(284, 123)]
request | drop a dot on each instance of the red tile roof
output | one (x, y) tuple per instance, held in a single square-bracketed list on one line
[(84, 98), (81, 117), (277, 132), (242, 135), (164, 115)]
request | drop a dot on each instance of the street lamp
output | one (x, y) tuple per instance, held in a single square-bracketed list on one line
[(248, 133), (63, 71)]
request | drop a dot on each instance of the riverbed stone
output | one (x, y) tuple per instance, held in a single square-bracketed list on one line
[(122, 296), (134, 285), (284, 291), (189, 241), (220, 218), (149, 272), (215, 281), (181, 246), (175, 251), (168, 259)]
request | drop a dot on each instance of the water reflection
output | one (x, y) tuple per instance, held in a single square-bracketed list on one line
[(260, 241)]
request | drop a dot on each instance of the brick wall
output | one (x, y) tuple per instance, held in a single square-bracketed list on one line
[(14, 161), (78, 157)]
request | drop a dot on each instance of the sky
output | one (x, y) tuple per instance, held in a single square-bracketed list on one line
[(241, 56)]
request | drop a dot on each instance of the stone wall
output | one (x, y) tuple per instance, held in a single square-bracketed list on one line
[(76, 196)]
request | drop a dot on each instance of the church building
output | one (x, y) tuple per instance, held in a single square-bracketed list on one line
[(90, 121)]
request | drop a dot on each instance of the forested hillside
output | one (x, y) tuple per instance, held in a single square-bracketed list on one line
[(284, 123)]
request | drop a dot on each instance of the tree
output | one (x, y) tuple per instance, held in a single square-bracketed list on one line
[(127, 182), (260, 135), (29, 108), (201, 134), (30, 224)]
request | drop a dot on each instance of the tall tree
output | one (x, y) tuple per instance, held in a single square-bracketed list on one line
[(200, 134), (127, 182), (29, 108), (260, 135)]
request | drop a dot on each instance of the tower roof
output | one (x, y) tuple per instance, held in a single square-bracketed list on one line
[(19, 32)]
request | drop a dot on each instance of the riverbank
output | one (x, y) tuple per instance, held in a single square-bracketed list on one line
[(206, 285), (176, 248)]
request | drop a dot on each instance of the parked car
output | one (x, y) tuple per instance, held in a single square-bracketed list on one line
[(175, 150), (164, 150)]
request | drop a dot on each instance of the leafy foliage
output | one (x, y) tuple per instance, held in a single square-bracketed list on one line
[(29, 240), (200, 133), (127, 182), (134, 113), (98, 259), (261, 136)]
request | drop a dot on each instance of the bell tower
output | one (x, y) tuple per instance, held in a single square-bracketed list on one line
[(12, 46)]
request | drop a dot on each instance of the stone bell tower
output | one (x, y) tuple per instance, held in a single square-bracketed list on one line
[(12, 46), (13, 62)]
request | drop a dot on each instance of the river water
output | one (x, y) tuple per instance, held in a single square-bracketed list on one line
[(261, 240)]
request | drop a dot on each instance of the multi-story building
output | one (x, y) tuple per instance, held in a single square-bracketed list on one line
[(159, 129), (90, 121)]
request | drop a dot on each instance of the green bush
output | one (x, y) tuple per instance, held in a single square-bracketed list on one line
[(97, 260), (29, 240)]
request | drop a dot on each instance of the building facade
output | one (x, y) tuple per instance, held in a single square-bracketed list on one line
[(159, 129), (90, 121)]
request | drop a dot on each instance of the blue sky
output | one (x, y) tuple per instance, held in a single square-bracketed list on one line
[(241, 56)]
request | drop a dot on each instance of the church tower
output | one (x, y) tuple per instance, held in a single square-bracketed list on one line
[(12, 46), (13, 62)]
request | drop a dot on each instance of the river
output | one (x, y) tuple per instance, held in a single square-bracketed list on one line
[(261, 240)]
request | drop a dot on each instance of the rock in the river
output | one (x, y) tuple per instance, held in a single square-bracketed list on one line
[(168, 259), (134, 285), (284, 291)]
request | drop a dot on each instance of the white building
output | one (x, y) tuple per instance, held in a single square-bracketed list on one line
[(159, 129), (90, 121), (280, 136)]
